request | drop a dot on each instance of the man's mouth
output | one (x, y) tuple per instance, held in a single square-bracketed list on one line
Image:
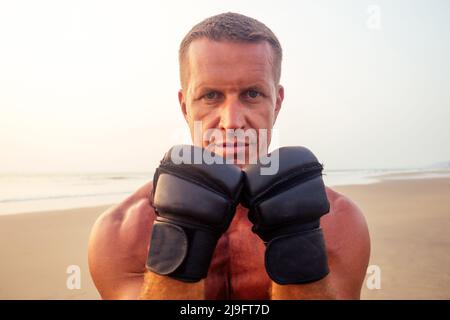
[(231, 144), (229, 147)]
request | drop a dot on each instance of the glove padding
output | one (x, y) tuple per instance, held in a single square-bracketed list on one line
[(285, 209), (194, 204)]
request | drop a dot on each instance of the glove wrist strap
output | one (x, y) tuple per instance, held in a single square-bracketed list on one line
[(297, 258), (180, 252)]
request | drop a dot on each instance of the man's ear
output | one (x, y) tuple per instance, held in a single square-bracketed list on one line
[(182, 102), (278, 102)]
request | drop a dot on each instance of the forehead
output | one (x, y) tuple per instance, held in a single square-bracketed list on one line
[(229, 63)]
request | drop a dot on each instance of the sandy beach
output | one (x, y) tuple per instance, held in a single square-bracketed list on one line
[(410, 236), (408, 221)]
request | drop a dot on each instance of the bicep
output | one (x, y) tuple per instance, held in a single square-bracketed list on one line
[(350, 243), (118, 246), (359, 254), (116, 254), (100, 262)]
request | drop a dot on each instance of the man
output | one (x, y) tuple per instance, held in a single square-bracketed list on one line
[(230, 68)]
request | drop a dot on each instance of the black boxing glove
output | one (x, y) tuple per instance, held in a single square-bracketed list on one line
[(194, 203), (285, 209)]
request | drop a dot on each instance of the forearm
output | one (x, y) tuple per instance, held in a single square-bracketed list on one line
[(157, 287), (318, 290)]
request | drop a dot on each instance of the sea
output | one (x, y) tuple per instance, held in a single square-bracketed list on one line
[(23, 193)]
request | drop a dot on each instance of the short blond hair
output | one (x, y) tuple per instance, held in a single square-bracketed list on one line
[(231, 27)]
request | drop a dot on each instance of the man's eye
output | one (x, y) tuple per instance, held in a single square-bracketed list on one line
[(211, 95), (252, 94)]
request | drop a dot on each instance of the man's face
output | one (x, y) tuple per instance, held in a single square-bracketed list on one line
[(230, 85)]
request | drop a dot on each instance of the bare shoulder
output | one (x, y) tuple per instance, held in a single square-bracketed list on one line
[(343, 210), (118, 245), (348, 243)]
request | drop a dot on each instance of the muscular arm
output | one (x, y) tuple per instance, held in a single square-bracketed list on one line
[(348, 249), (117, 246), (158, 287), (319, 290), (117, 254)]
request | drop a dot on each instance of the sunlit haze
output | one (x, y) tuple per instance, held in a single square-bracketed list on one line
[(91, 86)]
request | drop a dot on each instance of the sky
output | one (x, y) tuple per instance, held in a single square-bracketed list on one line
[(91, 86)]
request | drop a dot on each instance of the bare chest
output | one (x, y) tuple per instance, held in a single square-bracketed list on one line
[(237, 269)]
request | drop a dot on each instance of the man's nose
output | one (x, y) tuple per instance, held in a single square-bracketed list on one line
[(232, 114)]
